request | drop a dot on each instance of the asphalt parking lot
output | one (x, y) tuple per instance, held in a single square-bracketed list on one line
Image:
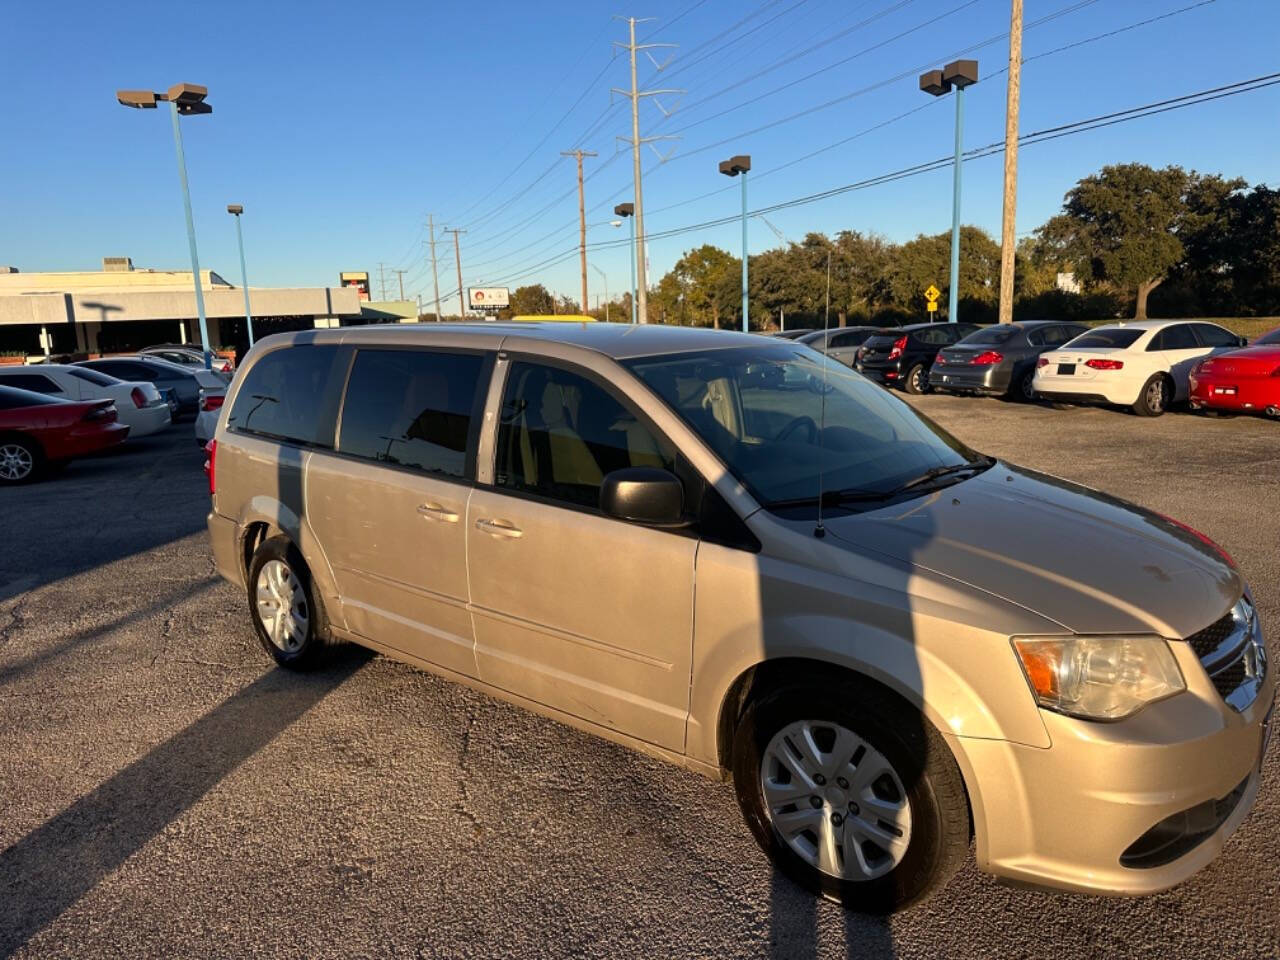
[(165, 792)]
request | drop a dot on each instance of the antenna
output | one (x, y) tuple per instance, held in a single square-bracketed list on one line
[(819, 531)]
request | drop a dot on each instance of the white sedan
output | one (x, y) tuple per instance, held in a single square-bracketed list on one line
[(138, 405), (207, 414), (1140, 364)]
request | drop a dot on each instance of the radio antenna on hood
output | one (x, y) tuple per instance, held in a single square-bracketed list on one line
[(819, 531)]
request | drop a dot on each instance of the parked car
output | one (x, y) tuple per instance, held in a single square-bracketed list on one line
[(999, 360), (902, 356), (207, 416), (1141, 364), (793, 334), (1246, 379), (140, 406), (185, 382), (185, 355), (647, 534), (40, 434), (839, 343)]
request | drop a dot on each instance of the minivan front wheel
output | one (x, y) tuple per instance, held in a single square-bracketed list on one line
[(851, 793), (287, 618)]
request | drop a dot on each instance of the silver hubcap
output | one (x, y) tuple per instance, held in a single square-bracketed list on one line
[(917, 378), (15, 461), (835, 800), (1028, 391), (1155, 395), (282, 606)]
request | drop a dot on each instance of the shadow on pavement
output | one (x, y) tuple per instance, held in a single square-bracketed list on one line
[(51, 868)]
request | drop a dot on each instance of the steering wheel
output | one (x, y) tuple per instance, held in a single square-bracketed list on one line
[(796, 424)]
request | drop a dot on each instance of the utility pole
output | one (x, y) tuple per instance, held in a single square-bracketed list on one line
[(457, 253), (634, 94), (382, 282), (582, 218), (435, 277), (400, 274), (1008, 227)]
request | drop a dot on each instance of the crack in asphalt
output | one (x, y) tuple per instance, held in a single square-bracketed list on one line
[(462, 806)]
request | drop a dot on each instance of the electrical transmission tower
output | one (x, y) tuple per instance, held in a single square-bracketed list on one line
[(582, 218), (634, 95)]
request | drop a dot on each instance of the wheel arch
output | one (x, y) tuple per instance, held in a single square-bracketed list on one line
[(265, 517)]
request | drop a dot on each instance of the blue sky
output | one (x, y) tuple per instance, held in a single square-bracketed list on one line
[(340, 126)]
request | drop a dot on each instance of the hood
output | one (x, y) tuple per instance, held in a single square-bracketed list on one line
[(1083, 559)]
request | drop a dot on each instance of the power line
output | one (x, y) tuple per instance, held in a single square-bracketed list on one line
[(1030, 139)]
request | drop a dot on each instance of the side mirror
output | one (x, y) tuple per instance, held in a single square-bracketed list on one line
[(643, 495), (1242, 341)]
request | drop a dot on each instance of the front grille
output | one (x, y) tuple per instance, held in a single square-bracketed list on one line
[(1210, 638), (1233, 654)]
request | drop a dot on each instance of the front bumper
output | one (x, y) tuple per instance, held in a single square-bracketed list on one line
[(1063, 817)]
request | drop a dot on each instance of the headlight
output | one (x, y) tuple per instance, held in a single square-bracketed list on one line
[(1099, 678)]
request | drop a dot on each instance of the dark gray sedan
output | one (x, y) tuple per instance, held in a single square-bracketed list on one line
[(999, 360)]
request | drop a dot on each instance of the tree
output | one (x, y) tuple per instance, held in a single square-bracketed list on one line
[(535, 299), (704, 284), (1120, 227), (927, 260)]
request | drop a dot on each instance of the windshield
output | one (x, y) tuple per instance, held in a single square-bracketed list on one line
[(778, 415), (1106, 337)]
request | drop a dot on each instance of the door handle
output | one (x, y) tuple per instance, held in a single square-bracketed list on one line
[(437, 512), (500, 528)]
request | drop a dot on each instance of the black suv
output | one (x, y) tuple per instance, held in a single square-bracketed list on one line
[(902, 356)]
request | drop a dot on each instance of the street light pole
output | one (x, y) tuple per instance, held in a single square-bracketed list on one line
[(606, 290), (185, 99), (235, 210), (628, 210), (731, 168), (960, 74)]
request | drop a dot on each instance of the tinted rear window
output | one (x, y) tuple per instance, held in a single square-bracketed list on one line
[(1268, 339), (411, 408), (35, 382), (92, 376), (289, 395), (11, 398), (996, 334), (882, 339), (1108, 337)]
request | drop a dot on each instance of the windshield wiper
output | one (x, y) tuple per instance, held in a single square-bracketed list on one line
[(936, 473)]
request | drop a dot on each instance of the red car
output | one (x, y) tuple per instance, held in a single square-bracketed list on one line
[(40, 433), (1244, 380)]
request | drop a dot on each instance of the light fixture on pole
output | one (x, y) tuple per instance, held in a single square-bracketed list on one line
[(235, 210), (731, 168), (628, 210), (960, 74), (185, 99)]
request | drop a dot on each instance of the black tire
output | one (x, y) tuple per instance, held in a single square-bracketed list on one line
[(940, 822), (21, 460), (916, 381), (1151, 404), (1020, 390), (310, 648)]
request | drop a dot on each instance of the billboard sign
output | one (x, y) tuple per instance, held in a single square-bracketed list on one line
[(358, 279), (488, 298)]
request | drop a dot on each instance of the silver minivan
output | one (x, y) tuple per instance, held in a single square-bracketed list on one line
[(739, 556)]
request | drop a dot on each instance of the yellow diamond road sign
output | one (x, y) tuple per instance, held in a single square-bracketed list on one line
[(932, 294)]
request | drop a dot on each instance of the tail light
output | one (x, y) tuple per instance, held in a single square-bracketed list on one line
[(225, 368), (103, 414), (138, 397), (1104, 364), (211, 402), (211, 448), (986, 358), (1042, 362), (898, 346), (940, 360)]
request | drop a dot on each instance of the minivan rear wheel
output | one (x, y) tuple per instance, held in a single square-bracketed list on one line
[(851, 793), (287, 616)]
